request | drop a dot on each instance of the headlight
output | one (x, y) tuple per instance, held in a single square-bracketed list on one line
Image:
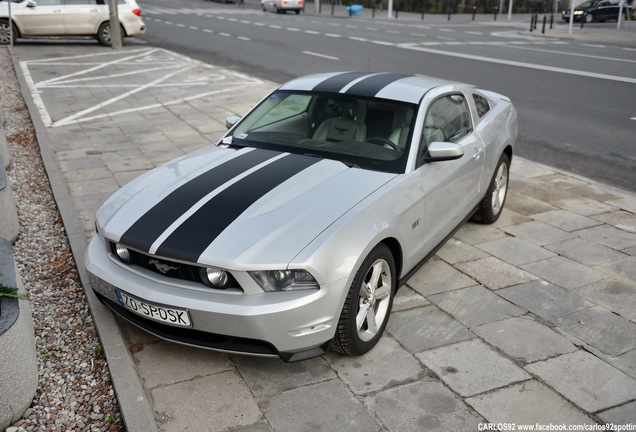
[(284, 280), (578, 12)]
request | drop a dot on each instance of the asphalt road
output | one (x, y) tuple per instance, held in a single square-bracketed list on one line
[(575, 100)]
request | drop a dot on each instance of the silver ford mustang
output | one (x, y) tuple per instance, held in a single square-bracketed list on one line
[(291, 235)]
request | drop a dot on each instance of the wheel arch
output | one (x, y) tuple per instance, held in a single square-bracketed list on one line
[(396, 250)]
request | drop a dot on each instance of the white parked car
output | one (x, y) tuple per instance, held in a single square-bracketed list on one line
[(64, 18), (282, 6), (291, 235)]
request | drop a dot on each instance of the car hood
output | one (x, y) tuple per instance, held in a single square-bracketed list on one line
[(236, 209)]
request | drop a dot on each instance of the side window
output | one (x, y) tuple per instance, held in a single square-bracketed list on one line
[(80, 2), (482, 105), (49, 2), (447, 119)]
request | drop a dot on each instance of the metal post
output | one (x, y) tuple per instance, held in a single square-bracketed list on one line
[(544, 21), (115, 28), (531, 22), (10, 24)]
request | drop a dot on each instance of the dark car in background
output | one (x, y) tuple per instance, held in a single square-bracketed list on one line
[(597, 10)]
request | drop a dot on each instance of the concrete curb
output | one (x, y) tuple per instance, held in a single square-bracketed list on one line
[(134, 406), (9, 225), (19, 371)]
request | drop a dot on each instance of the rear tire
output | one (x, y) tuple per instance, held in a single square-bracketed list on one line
[(104, 35), (491, 206), (368, 304)]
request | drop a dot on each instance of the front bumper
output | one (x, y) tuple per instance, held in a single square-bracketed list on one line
[(291, 325)]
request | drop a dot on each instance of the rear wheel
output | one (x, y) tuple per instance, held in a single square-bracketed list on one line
[(104, 35), (492, 205), (5, 32), (368, 305)]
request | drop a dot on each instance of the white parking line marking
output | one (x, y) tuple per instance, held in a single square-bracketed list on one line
[(136, 65), (321, 55)]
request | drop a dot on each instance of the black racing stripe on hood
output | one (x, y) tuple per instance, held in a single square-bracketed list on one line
[(190, 239), (143, 233), (372, 85), (337, 82)]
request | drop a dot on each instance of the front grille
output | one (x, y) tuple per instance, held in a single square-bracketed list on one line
[(170, 269)]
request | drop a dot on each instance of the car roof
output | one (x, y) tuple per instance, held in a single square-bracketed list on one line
[(399, 87)]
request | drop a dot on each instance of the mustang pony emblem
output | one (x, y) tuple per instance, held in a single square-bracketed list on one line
[(163, 268)]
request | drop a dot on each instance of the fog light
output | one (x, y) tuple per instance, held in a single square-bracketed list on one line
[(122, 253), (215, 278)]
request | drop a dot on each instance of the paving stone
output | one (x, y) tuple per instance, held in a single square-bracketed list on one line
[(623, 268), (471, 367), (475, 305), (585, 252), (565, 220), (267, 376), (564, 272), (626, 363), (585, 206), (515, 251), (526, 205), (92, 187), (422, 406), (527, 169), (561, 181), (616, 295), (602, 387), (437, 276), (524, 339), (627, 203), (600, 328), (427, 327), (538, 233), (224, 394), (166, 363), (527, 403), (494, 273), (623, 220), (623, 415), (334, 409), (455, 251), (406, 298), (386, 365), (509, 217), (472, 233), (545, 299), (609, 236)]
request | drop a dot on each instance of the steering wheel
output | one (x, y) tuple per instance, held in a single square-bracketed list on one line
[(383, 141)]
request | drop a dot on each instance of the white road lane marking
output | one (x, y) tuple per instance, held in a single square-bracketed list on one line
[(321, 55)]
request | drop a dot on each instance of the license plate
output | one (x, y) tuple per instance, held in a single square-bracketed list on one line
[(166, 315)]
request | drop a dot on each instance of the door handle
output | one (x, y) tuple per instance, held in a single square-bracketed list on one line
[(478, 152)]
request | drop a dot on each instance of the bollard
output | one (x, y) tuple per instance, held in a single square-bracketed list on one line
[(582, 20), (373, 12), (422, 14), (474, 12), (536, 19), (551, 20), (449, 14), (333, 6), (531, 22), (544, 21)]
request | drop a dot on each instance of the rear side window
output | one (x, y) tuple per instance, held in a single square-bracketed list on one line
[(482, 105)]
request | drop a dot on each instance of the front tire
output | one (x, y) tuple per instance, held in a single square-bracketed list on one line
[(5, 32), (491, 206), (368, 305), (589, 18)]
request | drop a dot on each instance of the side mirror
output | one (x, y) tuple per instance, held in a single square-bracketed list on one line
[(442, 151), (231, 121), (31, 3)]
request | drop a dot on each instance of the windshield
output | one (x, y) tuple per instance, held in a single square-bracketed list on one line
[(587, 4), (368, 133)]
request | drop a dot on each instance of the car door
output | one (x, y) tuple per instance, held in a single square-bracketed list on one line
[(444, 192), (82, 17), (43, 17)]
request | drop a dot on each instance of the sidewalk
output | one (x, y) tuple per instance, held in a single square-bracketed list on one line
[(529, 321)]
